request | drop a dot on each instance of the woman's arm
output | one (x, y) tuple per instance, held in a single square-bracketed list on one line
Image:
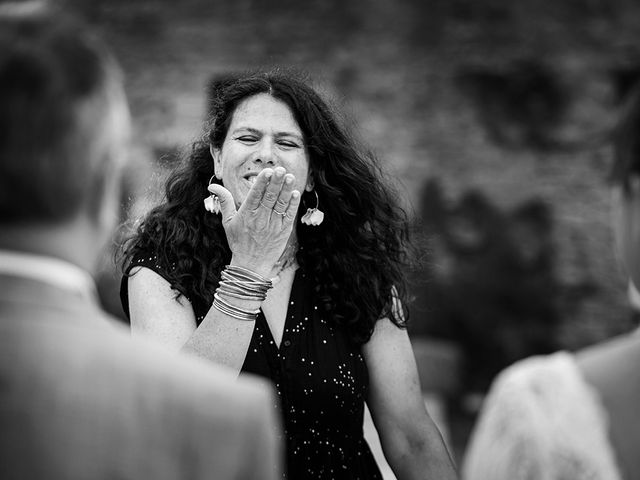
[(257, 237), (156, 312), (411, 442)]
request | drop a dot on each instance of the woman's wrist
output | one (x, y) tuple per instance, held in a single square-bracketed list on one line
[(257, 266), (240, 293)]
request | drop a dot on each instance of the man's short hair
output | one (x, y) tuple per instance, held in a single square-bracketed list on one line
[(58, 84)]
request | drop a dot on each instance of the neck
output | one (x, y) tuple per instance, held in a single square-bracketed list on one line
[(288, 257), (74, 241)]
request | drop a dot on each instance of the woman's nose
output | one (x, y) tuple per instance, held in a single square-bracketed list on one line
[(265, 154), (265, 159)]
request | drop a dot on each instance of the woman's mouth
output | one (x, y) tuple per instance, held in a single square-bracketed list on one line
[(251, 179)]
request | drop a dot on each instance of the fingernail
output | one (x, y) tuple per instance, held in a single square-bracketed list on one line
[(288, 179), (268, 173), (295, 194)]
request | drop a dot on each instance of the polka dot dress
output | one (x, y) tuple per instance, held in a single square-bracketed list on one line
[(321, 380)]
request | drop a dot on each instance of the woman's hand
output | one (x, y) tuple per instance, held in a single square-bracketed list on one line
[(259, 230)]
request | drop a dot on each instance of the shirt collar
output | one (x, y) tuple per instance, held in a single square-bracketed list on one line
[(51, 270)]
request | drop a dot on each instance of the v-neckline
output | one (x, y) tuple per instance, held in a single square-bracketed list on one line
[(287, 321)]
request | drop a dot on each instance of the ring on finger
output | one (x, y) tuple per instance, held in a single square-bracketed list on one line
[(282, 214)]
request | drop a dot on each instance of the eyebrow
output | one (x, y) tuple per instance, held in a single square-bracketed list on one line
[(278, 134)]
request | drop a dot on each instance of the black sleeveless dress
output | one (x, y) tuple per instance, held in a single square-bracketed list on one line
[(321, 379)]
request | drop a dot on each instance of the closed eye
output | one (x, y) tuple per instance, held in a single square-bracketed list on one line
[(288, 144), (247, 139)]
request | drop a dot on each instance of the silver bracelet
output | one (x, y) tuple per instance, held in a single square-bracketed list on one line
[(234, 311), (243, 284), (240, 295), (246, 273)]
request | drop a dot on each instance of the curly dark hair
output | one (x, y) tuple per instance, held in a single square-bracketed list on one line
[(357, 257)]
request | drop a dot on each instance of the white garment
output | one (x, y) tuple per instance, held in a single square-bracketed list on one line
[(541, 421)]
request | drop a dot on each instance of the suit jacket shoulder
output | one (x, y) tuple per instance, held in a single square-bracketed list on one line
[(79, 398)]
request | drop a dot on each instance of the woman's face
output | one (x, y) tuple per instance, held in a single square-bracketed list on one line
[(263, 134)]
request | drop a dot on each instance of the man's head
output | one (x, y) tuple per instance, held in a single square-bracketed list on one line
[(64, 122)]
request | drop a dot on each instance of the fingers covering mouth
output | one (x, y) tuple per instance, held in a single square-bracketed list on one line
[(251, 178)]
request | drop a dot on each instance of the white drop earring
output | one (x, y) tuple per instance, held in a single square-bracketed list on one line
[(314, 216), (212, 202)]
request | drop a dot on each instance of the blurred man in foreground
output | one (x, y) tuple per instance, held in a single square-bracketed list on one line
[(80, 399)]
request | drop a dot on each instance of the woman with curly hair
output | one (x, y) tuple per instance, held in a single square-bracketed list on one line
[(311, 299)]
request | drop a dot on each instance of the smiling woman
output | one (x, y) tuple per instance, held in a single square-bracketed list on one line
[(262, 134), (312, 302)]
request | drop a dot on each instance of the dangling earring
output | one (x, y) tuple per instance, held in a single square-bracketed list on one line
[(212, 202), (313, 216)]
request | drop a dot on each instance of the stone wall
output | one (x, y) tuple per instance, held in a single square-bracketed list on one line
[(512, 101)]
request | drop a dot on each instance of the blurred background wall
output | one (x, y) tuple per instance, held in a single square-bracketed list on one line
[(493, 115)]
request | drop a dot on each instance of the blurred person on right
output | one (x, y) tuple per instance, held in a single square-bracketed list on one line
[(79, 398), (574, 415)]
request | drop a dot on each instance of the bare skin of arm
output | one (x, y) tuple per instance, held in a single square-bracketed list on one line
[(257, 238), (412, 444)]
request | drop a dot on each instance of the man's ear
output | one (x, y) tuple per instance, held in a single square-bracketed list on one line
[(626, 223), (216, 154), (103, 207)]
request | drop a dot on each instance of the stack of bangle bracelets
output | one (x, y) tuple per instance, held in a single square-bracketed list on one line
[(241, 283)]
